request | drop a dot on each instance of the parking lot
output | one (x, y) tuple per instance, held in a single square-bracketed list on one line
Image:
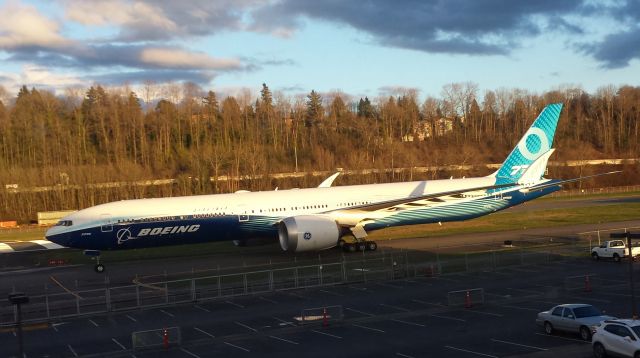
[(411, 317)]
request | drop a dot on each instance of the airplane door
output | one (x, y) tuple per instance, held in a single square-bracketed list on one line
[(243, 215), (107, 223)]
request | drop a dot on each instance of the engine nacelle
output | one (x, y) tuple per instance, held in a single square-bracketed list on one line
[(308, 233)]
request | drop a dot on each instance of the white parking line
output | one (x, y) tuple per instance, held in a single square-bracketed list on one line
[(131, 318), (326, 334), (72, 350), (245, 326), (409, 323), (234, 304), (589, 299), (388, 285), (120, 344), (93, 322), (234, 346), (283, 322), (284, 340), (202, 308), (268, 300), (485, 313), (518, 344), (369, 328), (204, 332), (358, 288), (521, 308), (332, 293), (472, 352), (395, 307), (296, 295), (403, 355), (428, 303), (167, 313), (447, 317), (565, 338), (525, 291), (360, 312), (189, 353)]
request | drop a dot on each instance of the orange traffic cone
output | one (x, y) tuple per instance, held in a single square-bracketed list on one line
[(467, 301), (325, 320), (587, 284), (165, 338)]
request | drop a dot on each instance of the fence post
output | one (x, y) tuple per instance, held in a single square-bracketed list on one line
[(193, 290), (344, 271), (295, 276), (107, 297), (466, 262), (138, 296), (271, 280), (78, 305), (166, 292), (46, 300), (320, 273), (244, 281), (219, 287)]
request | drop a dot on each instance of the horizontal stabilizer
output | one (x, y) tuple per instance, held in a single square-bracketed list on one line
[(535, 171), (561, 182)]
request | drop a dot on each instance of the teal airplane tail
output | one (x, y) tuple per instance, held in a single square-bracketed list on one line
[(528, 160)]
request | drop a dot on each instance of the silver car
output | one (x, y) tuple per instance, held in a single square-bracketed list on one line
[(573, 317)]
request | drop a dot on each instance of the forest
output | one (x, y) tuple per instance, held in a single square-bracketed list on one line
[(181, 131)]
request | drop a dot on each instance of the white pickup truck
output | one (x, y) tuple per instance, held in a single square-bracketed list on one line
[(615, 249)]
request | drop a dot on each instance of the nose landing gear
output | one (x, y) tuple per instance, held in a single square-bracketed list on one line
[(99, 268)]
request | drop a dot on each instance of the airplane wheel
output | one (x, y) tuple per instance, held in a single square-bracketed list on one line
[(372, 246), (361, 246), (341, 243), (349, 247), (99, 268)]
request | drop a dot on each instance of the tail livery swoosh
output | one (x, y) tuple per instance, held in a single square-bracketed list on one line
[(536, 142)]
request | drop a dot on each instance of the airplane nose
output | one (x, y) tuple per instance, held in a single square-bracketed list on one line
[(57, 236)]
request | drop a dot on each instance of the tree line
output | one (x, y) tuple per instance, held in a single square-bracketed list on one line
[(182, 131)]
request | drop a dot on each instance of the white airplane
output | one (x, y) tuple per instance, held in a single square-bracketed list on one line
[(315, 218)]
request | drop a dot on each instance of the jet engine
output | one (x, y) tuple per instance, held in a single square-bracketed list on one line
[(308, 233)]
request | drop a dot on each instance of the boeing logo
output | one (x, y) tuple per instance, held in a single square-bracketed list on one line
[(125, 234), (169, 230)]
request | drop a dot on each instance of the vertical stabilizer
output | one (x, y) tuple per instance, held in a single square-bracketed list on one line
[(536, 142)]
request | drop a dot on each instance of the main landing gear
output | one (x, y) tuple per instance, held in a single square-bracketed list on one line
[(357, 246), (99, 268)]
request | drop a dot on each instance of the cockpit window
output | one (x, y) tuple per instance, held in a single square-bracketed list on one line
[(64, 223)]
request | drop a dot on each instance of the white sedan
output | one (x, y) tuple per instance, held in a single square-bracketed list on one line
[(577, 318)]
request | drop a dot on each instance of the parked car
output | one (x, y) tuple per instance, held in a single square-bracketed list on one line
[(577, 318), (614, 249), (617, 336)]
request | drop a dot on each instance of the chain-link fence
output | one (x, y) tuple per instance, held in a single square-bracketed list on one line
[(382, 265)]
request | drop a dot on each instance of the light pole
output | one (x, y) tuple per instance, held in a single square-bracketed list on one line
[(18, 299)]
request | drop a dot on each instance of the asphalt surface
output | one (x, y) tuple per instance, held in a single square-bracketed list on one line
[(415, 317)]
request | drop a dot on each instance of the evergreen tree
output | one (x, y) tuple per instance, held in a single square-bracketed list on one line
[(315, 112)]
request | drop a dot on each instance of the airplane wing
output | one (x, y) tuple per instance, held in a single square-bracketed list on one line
[(33, 245), (416, 199)]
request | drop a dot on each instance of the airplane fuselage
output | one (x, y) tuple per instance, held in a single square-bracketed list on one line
[(195, 219)]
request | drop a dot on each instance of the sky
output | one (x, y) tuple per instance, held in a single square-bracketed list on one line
[(362, 48)]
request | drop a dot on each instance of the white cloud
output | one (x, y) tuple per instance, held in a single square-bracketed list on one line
[(106, 13), (41, 78), (23, 26), (175, 58)]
